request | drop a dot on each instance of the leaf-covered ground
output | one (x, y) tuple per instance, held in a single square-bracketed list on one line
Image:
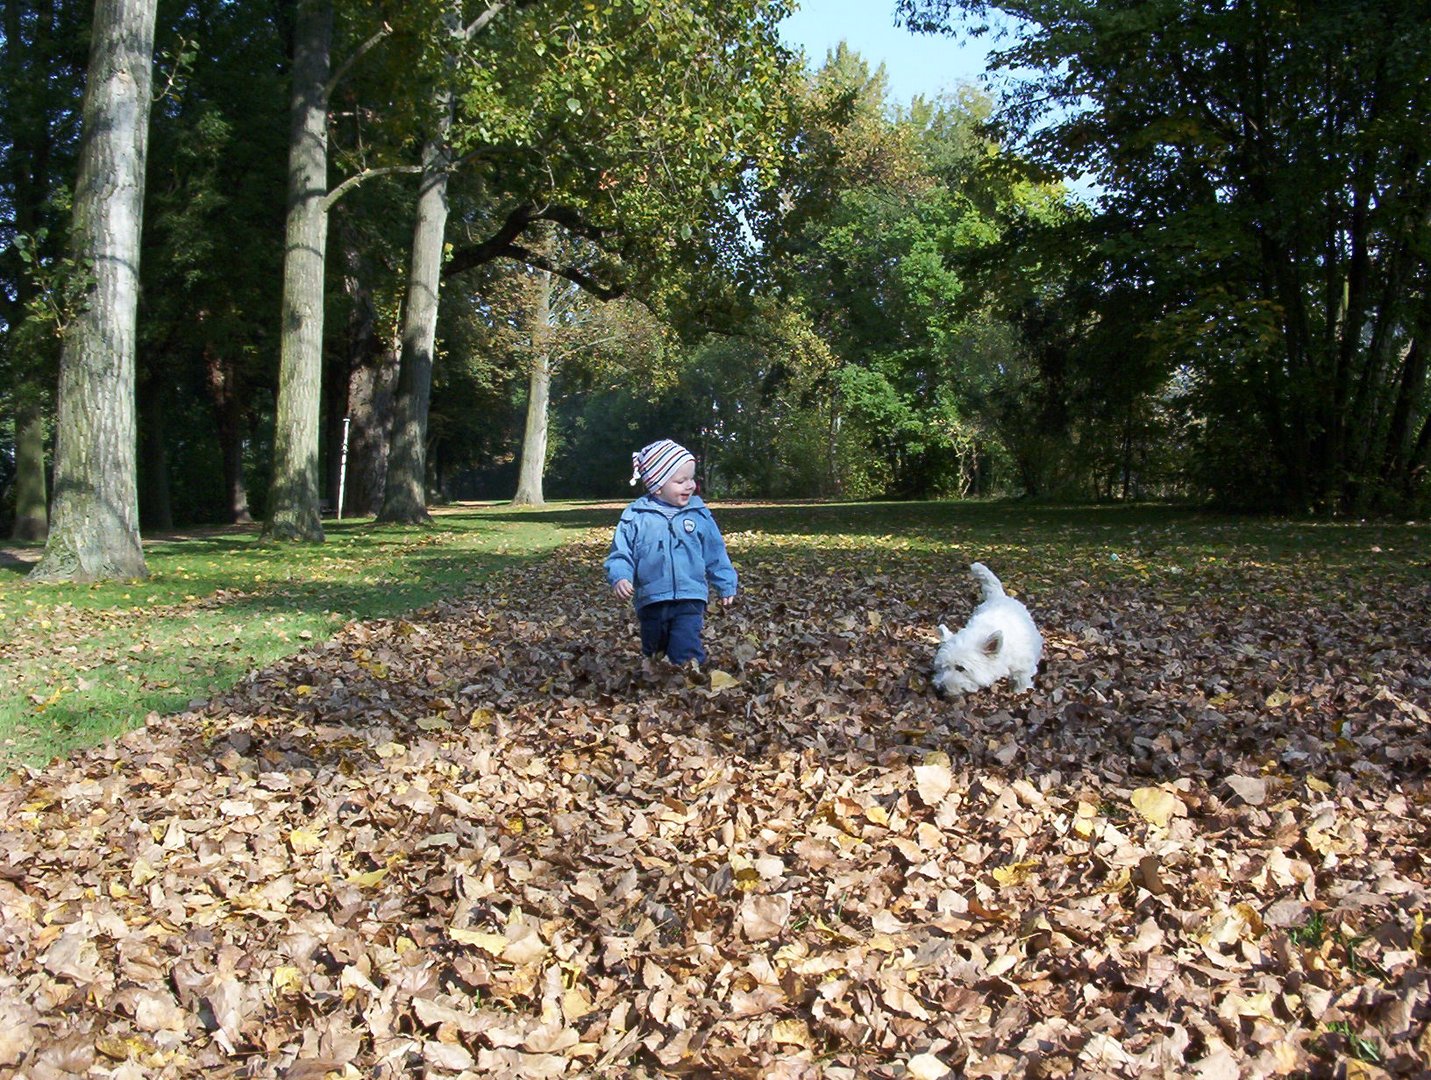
[(485, 841)]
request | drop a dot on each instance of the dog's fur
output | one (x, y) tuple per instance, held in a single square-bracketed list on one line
[(1000, 641)]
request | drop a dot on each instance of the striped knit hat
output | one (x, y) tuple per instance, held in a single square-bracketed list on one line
[(658, 462)]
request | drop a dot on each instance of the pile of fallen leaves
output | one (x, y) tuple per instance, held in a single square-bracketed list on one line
[(484, 840)]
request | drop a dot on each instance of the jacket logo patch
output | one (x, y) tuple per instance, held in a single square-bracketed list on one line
[(690, 525)]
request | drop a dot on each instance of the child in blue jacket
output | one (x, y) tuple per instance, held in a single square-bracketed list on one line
[(667, 546)]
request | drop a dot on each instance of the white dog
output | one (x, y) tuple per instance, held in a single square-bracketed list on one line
[(1000, 641)]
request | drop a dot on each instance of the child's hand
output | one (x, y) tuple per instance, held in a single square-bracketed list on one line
[(726, 601), (623, 589)]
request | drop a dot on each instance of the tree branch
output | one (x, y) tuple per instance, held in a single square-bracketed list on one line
[(358, 53), (588, 283), (502, 244), (517, 223), (477, 25), (362, 177)]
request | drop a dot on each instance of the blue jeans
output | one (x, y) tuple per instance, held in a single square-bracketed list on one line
[(673, 627)]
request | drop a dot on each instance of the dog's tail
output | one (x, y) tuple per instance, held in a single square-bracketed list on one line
[(991, 585)]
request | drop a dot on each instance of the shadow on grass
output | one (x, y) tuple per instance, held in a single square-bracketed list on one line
[(125, 691)]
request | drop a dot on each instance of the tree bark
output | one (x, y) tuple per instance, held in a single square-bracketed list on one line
[(370, 403), (226, 396), (32, 513), (404, 493), (293, 501), (94, 533), (539, 383)]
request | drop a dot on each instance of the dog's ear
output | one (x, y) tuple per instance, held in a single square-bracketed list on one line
[(944, 634), (993, 643)]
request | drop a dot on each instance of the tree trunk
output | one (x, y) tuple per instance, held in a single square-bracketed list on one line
[(227, 399), (94, 533), (32, 514), (372, 372), (404, 491), (534, 441), (336, 380), (370, 403), (156, 510), (293, 512)]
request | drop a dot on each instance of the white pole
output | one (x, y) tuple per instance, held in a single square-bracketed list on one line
[(343, 467)]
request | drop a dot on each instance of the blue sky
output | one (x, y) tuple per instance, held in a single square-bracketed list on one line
[(916, 63)]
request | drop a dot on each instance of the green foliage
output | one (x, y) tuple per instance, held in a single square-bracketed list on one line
[(1263, 171), (1309, 934), (890, 215), (641, 123)]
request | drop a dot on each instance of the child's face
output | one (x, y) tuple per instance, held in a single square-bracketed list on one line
[(680, 487)]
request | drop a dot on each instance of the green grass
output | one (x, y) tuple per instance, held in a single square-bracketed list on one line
[(81, 663)]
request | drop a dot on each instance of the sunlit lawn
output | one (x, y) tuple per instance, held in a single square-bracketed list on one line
[(81, 663)]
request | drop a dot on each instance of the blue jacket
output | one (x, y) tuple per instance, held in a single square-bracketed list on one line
[(669, 558)]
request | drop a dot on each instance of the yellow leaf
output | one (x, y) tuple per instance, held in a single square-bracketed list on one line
[(792, 1033), (516, 825), (838, 935), (304, 842), (117, 1048), (368, 880), (492, 944), (876, 814), (1277, 699), (1014, 873), (303, 691), (1083, 820), (722, 680), (286, 979), (1156, 805), (575, 1004), (1319, 786), (432, 723)]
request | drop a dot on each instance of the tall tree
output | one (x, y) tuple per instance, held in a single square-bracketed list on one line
[(403, 493), (1268, 167), (293, 501), (563, 330), (295, 487), (629, 126), (42, 65), (539, 388), (94, 533), (212, 249)]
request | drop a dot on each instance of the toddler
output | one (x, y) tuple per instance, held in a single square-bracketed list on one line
[(666, 548)]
